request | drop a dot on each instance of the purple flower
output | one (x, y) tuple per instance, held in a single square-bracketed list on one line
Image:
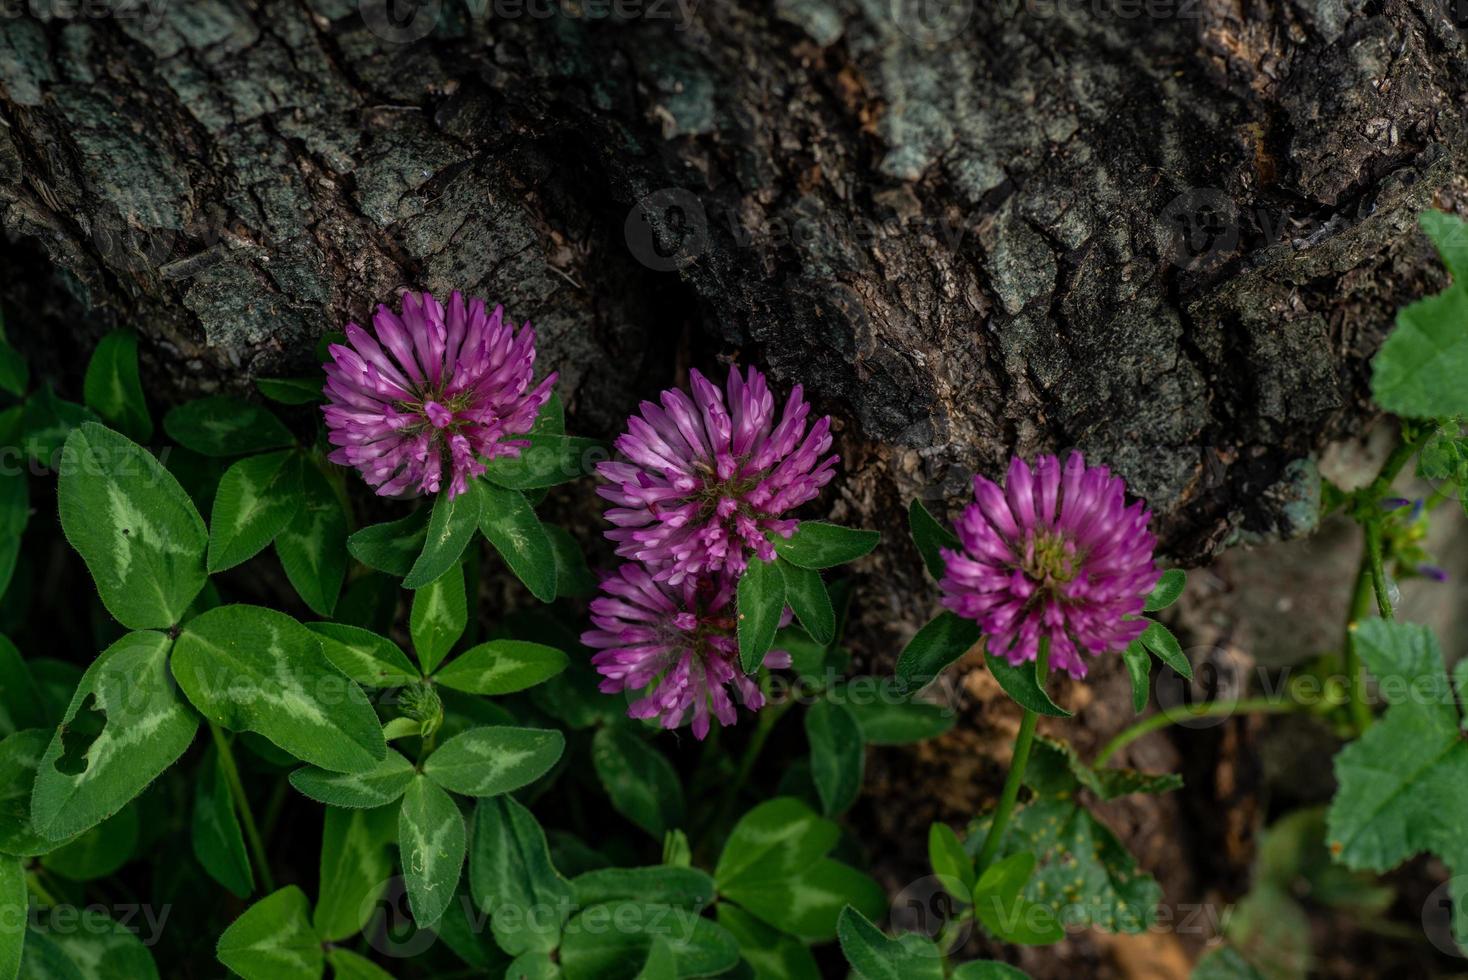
[(1052, 554), (704, 479), (435, 389), (676, 645), (1432, 572)]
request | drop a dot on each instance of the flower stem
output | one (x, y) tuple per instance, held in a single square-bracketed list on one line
[(1356, 692), (1378, 574), (1022, 742), (1214, 709), (242, 806)]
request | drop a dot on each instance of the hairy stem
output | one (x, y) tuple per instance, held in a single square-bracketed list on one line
[(242, 806), (1022, 742), (1355, 677), (1378, 572)]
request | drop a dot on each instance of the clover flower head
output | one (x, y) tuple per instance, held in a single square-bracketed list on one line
[(1054, 553), (675, 645), (704, 478), (435, 390)]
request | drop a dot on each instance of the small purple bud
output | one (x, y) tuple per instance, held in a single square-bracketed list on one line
[(1432, 572)]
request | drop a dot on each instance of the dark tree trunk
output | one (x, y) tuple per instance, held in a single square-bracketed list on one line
[(1167, 232)]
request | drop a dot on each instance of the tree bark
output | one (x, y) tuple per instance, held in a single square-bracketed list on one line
[(1170, 233)]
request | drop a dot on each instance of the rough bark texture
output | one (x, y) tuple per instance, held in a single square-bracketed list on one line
[(1170, 234)]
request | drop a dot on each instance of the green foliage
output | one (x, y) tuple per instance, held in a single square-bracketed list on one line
[(1403, 786), (1021, 683), (873, 956), (1139, 671), (493, 760), (225, 426), (1082, 873), (432, 841), (125, 724), (622, 939), (365, 657), (774, 866), (356, 868), (1419, 371), (760, 601), (13, 905), (291, 391), (132, 523), (885, 720), (1005, 912), (809, 600), (451, 525), (257, 497), (686, 888), (392, 547), (930, 537), (816, 544), (510, 873), (550, 460), (942, 641), (434, 767), (510, 524), (375, 787), (502, 667), (639, 781), (113, 389), (950, 862), (310, 547), (274, 940), (219, 844), (1169, 587), (439, 617), (1164, 646), (247, 668), (837, 756)]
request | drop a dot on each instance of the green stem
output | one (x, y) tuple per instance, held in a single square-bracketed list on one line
[(1022, 742), (1214, 709), (1356, 693), (1378, 573), (1387, 475), (242, 806)]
